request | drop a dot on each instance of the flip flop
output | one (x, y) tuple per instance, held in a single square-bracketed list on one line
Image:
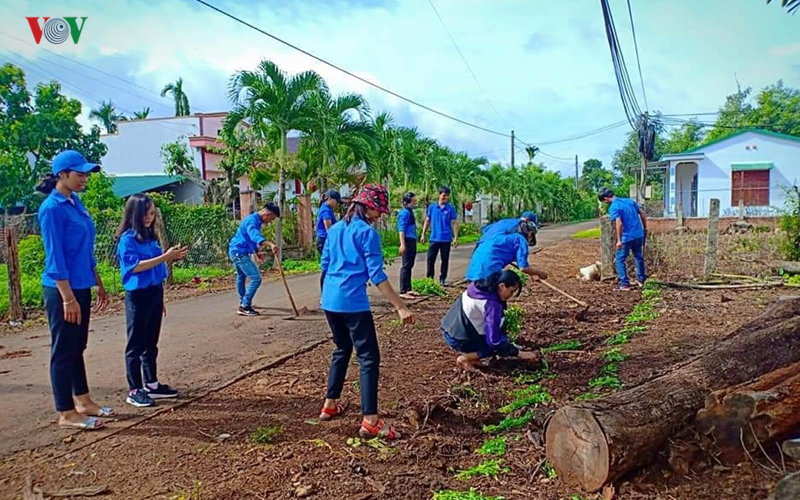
[(104, 412), (90, 424), (328, 413), (407, 296)]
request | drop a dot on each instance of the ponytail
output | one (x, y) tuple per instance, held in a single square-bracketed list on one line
[(355, 210), (490, 283), (407, 199), (48, 184)]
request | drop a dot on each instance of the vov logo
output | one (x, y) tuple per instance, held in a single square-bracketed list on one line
[(56, 29)]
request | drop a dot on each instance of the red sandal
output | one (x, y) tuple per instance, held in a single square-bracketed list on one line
[(378, 430), (328, 413)]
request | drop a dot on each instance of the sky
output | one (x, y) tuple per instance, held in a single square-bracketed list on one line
[(543, 68)]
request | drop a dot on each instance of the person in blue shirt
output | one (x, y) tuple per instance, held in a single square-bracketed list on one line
[(503, 226), (631, 229), (143, 269), (442, 219), (502, 250), (407, 227), (352, 256), (70, 272), (247, 242), (326, 216)]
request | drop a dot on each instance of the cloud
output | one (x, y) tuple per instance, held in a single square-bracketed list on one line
[(785, 50), (537, 42)]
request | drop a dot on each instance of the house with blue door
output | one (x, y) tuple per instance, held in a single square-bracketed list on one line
[(753, 165)]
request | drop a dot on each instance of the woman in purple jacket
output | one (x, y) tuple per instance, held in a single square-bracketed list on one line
[(474, 324)]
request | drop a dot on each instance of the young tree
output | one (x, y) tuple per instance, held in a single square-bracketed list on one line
[(108, 116), (594, 176), (179, 96)]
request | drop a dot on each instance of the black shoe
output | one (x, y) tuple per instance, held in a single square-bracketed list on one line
[(139, 398), (247, 311), (443, 282), (163, 391)]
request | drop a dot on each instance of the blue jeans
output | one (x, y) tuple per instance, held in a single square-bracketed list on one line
[(246, 269), (636, 246)]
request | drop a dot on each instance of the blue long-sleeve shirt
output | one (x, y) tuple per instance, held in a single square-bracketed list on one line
[(248, 236), (352, 256), (131, 252), (496, 254), (68, 235), (406, 223), (499, 227), (324, 213)]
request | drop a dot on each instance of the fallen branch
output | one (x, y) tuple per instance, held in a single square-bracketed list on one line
[(88, 491), (696, 286)]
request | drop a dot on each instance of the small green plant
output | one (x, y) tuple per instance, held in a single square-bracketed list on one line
[(569, 345), (523, 278), (488, 468), (642, 313), (493, 447), (588, 233), (264, 435), (465, 390), (614, 355), (606, 381), (512, 322), (300, 266), (427, 286), (193, 494), (619, 338), (526, 378), (793, 280), (509, 423), (472, 494), (548, 470), (609, 369), (532, 396), (587, 396)]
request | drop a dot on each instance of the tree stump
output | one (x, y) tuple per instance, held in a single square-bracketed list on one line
[(740, 419), (787, 488), (15, 311), (593, 443)]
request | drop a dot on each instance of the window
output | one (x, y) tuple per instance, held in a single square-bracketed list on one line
[(750, 185)]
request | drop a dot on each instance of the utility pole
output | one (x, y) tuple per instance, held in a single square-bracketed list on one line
[(576, 172), (512, 149)]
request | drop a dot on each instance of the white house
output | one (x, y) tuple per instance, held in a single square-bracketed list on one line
[(755, 165)]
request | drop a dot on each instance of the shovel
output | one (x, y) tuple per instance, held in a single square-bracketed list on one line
[(580, 315), (297, 313)]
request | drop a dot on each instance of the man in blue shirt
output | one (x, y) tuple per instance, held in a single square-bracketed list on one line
[(504, 226), (442, 219), (631, 228), (503, 249), (246, 242)]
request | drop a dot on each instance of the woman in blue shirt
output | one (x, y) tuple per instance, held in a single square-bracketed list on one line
[(143, 268), (326, 216), (351, 257), (407, 227), (70, 272)]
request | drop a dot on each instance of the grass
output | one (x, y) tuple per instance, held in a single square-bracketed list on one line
[(530, 396), (194, 494), (187, 274), (606, 381), (588, 233), (587, 396), (472, 494), (509, 423), (569, 345), (264, 435), (512, 322), (488, 468), (300, 266), (614, 355), (427, 286), (493, 447)]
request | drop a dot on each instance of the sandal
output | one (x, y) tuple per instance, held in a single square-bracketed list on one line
[(103, 412), (90, 424), (328, 413), (378, 430)]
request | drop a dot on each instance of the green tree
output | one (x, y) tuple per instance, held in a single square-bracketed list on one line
[(274, 103), (179, 96), (108, 116), (99, 194), (594, 176), (238, 155), (791, 5), (775, 108), (687, 136)]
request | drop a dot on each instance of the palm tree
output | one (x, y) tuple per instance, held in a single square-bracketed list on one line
[(791, 5), (141, 115), (179, 96), (386, 157), (107, 115), (531, 151), (274, 103)]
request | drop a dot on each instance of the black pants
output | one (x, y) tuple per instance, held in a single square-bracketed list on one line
[(355, 330), (143, 310), (68, 341), (434, 248), (408, 264), (320, 242)]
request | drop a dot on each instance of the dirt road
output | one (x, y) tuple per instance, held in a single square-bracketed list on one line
[(203, 344)]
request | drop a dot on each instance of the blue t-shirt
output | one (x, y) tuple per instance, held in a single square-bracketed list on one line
[(500, 227), (441, 218), (627, 211), (406, 223), (352, 255), (131, 252), (495, 254), (324, 213), (248, 237), (68, 235)]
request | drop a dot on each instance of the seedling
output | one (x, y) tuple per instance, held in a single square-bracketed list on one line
[(523, 278), (609, 369), (619, 338), (264, 435), (427, 286), (472, 494), (548, 470), (466, 390), (509, 423), (194, 494), (526, 378), (607, 381), (642, 313), (525, 392), (512, 322), (488, 468), (587, 396), (569, 345), (535, 397), (493, 447), (614, 355)]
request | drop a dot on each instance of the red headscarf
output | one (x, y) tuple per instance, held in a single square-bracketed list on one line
[(373, 196)]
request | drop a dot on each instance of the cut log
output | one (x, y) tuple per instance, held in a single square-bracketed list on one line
[(593, 443), (743, 418), (787, 266)]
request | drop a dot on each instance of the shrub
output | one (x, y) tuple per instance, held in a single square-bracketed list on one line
[(427, 286), (512, 323), (790, 225), (31, 255)]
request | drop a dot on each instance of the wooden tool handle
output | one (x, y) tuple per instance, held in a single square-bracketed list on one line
[(286, 286), (562, 292)]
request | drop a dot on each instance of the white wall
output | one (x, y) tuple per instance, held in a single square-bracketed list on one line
[(714, 171), (136, 147)]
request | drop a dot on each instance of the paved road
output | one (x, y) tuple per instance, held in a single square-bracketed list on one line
[(203, 344)]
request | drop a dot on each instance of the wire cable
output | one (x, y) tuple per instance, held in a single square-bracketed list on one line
[(638, 61)]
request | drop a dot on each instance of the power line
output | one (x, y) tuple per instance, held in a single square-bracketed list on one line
[(469, 68), (627, 95), (638, 62), (349, 73), (582, 135)]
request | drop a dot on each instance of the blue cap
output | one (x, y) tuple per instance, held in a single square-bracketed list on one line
[(332, 193), (73, 160), (528, 215)]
